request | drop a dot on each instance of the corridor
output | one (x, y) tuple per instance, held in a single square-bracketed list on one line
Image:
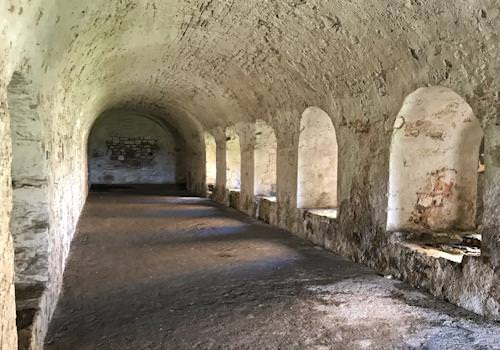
[(161, 270)]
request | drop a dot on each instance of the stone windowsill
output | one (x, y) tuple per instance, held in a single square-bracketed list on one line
[(267, 198), (449, 246), (328, 213)]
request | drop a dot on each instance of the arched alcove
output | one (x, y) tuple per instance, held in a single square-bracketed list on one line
[(317, 161), (29, 222), (126, 147), (434, 163), (264, 160), (233, 160), (210, 160)]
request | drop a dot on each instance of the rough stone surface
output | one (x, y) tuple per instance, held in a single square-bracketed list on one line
[(183, 273), (8, 334), (29, 221), (206, 65)]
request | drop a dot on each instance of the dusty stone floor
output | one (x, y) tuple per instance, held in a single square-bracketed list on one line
[(153, 271)]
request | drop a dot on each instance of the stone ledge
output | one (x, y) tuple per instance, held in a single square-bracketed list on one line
[(266, 209), (327, 213), (453, 246)]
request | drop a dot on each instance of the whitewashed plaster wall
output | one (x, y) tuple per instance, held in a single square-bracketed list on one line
[(233, 160), (317, 161), (434, 163), (210, 159), (265, 149)]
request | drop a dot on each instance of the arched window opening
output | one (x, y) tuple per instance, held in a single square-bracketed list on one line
[(233, 160), (317, 163), (126, 147), (210, 161), (433, 175), (29, 222), (265, 160)]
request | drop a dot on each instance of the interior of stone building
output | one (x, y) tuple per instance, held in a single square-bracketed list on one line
[(248, 174)]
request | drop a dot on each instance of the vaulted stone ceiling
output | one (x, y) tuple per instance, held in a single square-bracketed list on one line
[(217, 62), (206, 64)]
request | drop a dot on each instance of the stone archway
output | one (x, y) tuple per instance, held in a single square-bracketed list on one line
[(317, 161), (434, 163)]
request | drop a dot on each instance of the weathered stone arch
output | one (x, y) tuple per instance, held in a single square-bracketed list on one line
[(433, 163), (265, 152), (29, 222), (233, 159), (317, 161)]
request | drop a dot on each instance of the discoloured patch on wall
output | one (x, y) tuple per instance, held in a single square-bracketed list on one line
[(431, 200)]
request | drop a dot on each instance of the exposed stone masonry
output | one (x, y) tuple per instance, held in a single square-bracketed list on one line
[(135, 151)]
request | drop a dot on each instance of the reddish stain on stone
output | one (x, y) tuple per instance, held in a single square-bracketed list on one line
[(431, 199)]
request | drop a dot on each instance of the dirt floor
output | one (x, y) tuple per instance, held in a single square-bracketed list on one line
[(171, 272)]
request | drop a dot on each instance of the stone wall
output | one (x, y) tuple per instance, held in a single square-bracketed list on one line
[(8, 334), (29, 222), (207, 65), (127, 148)]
